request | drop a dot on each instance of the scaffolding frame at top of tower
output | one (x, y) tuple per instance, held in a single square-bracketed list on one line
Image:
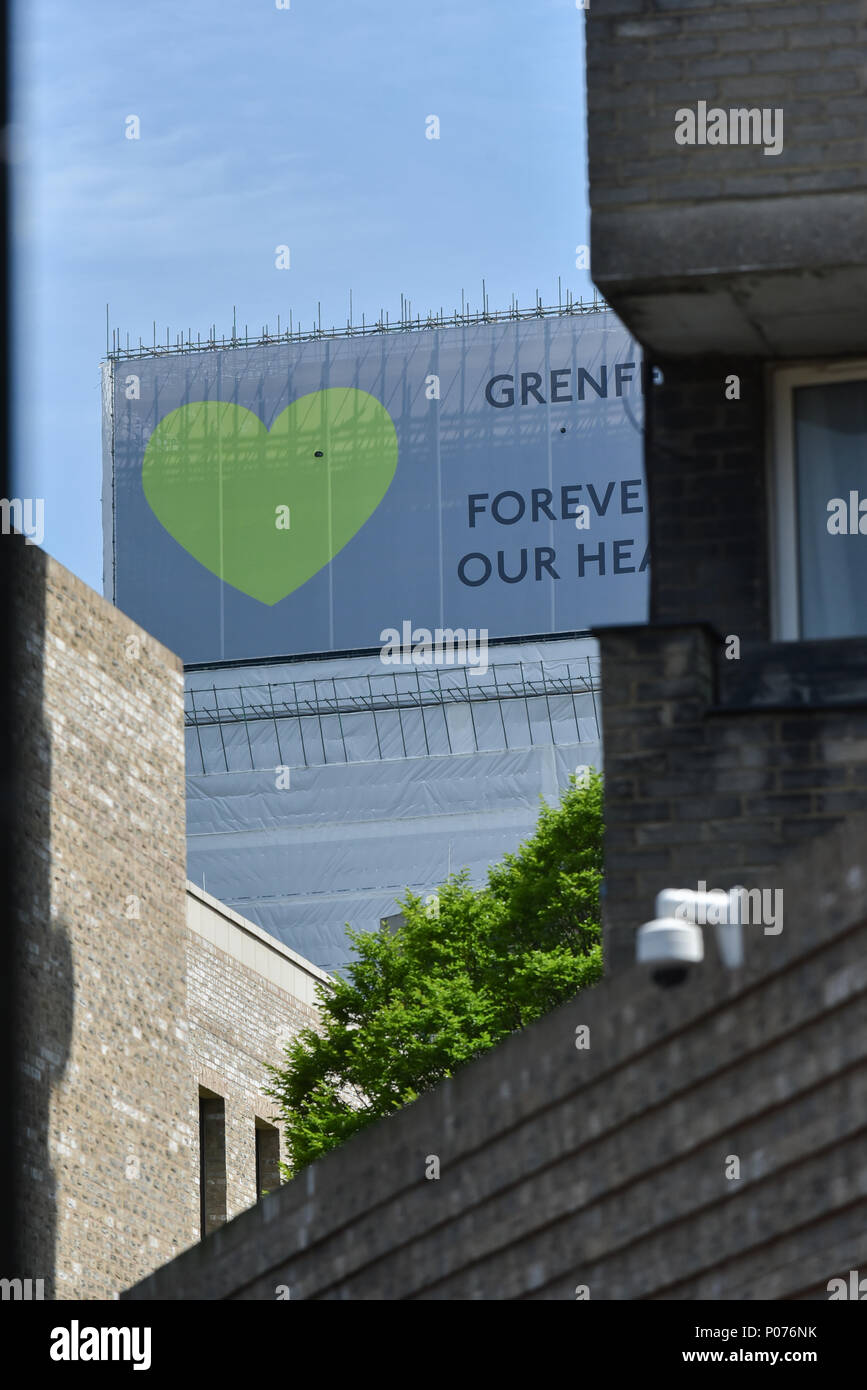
[(407, 322)]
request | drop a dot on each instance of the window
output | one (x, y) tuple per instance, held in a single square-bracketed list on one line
[(267, 1158), (818, 491), (212, 1160)]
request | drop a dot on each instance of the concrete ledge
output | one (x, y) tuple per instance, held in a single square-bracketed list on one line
[(729, 275), (253, 947), (794, 675)]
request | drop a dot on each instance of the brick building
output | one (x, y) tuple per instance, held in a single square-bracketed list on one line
[(246, 995), (146, 1010), (742, 274)]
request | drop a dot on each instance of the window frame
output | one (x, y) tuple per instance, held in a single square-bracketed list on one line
[(783, 530), (262, 1126), (208, 1097)]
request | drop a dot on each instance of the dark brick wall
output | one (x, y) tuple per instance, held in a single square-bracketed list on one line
[(606, 1166), (715, 768), (711, 772), (714, 776), (807, 58), (705, 464)]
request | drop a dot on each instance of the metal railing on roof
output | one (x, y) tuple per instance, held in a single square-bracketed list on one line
[(293, 707), (406, 323)]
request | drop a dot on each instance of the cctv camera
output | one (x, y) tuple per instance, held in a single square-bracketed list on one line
[(674, 941), (670, 946)]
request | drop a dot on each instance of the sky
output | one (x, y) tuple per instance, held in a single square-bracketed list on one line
[(262, 127)]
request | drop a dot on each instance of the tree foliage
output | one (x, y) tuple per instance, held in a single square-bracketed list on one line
[(453, 980)]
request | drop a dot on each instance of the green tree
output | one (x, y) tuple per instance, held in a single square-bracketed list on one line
[(453, 980)]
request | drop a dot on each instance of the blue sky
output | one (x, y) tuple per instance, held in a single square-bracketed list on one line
[(263, 127)]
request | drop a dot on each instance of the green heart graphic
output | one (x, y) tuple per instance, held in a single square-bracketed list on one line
[(220, 483)]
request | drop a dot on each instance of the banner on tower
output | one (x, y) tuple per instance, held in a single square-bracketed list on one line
[(303, 497)]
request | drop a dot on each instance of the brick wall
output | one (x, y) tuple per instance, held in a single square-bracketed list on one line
[(715, 773), (716, 767), (247, 995), (606, 1167), (807, 58), (136, 989), (724, 262), (106, 1140), (705, 458)]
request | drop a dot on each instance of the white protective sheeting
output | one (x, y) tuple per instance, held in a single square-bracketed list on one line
[(341, 843)]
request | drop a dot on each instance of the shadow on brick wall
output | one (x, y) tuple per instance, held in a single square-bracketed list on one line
[(45, 983)]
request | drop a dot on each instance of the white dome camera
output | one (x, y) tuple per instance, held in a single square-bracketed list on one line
[(670, 947)]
